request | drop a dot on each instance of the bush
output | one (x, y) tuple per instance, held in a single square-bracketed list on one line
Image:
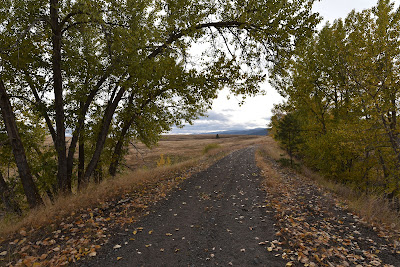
[(209, 147)]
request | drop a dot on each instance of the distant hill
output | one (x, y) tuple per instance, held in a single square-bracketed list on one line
[(256, 131)]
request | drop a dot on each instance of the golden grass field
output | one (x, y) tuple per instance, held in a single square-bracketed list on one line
[(179, 148), (187, 153)]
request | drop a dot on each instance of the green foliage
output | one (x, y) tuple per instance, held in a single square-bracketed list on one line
[(126, 69), (284, 162), (288, 133), (209, 147), (342, 85)]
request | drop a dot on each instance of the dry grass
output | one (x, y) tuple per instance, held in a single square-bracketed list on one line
[(183, 147), (91, 196), (272, 149), (271, 175), (186, 152), (373, 208)]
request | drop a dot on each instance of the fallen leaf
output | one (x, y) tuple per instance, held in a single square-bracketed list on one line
[(116, 246), (118, 258), (375, 263), (168, 234), (3, 253), (150, 232), (92, 254)]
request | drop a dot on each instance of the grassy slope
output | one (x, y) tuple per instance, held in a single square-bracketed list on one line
[(184, 152)]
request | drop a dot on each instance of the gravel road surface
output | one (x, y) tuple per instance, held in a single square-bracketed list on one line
[(215, 218)]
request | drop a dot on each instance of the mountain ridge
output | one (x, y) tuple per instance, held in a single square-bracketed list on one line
[(255, 131)]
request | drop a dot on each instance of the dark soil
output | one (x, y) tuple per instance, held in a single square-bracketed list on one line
[(217, 217)]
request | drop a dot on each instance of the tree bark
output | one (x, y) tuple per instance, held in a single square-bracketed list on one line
[(7, 197), (30, 189), (84, 106), (81, 160), (116, 156), (64, 183), (101, 138)]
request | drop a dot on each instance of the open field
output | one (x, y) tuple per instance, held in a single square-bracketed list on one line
[(108, 216), (186, 153), (179, 148)]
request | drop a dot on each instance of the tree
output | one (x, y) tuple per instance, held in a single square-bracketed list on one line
[(288, 133), (115, 70), (343, 85), (28, 184)]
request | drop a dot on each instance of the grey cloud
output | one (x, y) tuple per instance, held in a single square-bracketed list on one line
[(229, 110), (214, 116), (204, 126)]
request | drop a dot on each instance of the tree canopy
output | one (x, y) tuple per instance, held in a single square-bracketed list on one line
[(110, 71), (343, 87)]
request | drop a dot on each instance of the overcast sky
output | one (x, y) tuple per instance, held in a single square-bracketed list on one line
[(256, 112)]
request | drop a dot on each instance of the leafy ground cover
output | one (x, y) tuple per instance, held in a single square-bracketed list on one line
[(83, 232), (78, 226), (215, 218), (316, 228)]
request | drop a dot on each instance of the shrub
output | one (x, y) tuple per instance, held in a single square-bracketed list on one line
[(209, 147)]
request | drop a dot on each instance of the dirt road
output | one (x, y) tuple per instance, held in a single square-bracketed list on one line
[(216, 217)]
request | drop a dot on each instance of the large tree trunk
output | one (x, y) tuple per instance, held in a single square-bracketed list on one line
[(78, 132), (7, 197), (101, 138), (31, 192), (64, 183), (116, 156), (81, 161), (117, 153)]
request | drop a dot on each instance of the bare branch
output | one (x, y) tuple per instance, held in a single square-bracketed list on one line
[(226, 42)]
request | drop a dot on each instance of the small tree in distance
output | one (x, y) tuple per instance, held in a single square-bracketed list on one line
[(288, 133)]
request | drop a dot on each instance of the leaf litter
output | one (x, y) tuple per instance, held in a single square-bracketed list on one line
[(68, 240), (316, 229)]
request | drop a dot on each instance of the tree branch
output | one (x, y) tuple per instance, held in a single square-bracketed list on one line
[(177, 35)]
